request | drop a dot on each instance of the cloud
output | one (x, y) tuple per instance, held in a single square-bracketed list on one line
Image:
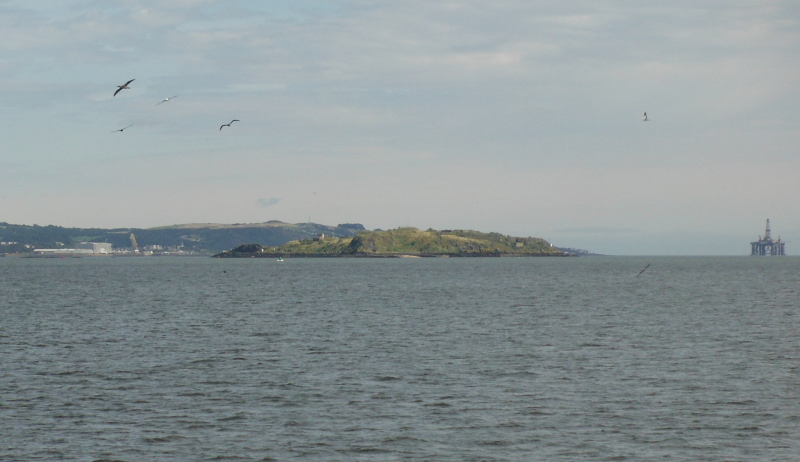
[(266, 202)]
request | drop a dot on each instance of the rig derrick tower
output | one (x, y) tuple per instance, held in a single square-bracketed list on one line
[(766, 246)]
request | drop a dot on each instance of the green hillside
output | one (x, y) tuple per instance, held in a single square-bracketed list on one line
[(203, 238), (404, 242)]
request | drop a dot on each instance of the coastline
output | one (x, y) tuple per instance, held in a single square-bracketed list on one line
[(229, 254)]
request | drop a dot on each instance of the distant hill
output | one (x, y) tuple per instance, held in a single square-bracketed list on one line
[(404, 242), (203, 238)]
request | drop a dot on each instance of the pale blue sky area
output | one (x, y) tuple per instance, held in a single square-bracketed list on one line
[(516, 116)]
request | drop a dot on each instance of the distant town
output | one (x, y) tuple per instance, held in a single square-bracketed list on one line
[(177, 240), (104, 249)]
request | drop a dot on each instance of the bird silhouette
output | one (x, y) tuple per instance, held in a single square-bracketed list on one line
[(645, 119), (167, 99), (123, 87), (228, 124), (121, 129)]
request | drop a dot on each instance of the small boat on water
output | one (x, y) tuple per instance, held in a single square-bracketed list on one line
[(280, 258)]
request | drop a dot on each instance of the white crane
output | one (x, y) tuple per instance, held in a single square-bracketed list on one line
[(134, 245)]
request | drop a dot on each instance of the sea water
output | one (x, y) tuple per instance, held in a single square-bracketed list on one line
[(459, 359)]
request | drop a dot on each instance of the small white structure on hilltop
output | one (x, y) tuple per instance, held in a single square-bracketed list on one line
[(88, 249)]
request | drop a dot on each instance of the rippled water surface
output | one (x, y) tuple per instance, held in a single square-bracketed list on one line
[(474, 359)]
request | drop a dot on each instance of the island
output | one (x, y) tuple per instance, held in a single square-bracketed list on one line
[(404, 242)]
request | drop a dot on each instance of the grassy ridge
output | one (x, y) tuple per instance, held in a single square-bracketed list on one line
[(405, 241)]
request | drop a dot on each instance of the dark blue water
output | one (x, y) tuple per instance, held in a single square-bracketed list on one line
[(165, 359)]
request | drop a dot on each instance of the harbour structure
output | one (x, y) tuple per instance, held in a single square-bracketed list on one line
[(81, 249), (766, 246)]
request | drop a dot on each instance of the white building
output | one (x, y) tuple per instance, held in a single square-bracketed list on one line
[(100, 248), (81, 249)]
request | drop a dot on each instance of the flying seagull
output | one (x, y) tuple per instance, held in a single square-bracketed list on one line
[(228, 124), (123, 87), (167, 99), (645, 119), (642, 271), (121, 129)]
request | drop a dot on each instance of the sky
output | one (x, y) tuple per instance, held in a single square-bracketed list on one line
[(522, 117)]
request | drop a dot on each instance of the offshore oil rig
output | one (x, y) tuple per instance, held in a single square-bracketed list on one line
[(767, 246)]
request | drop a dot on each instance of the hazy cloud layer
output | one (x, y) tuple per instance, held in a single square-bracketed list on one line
[(515, 116)]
